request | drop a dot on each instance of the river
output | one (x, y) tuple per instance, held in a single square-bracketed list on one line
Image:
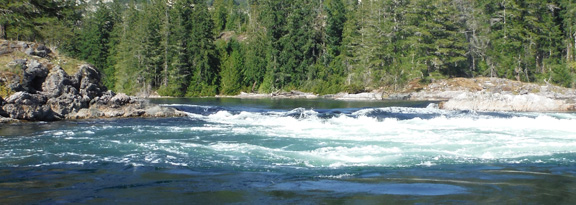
[(293, 151)]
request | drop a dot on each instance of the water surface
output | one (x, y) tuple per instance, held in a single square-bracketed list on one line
[(262, 151)]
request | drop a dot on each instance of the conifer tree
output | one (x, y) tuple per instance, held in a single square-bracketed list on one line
[(204, 79), (95, 36), (232, 60)]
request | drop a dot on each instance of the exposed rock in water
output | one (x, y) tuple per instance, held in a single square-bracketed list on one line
[(282, 94), (357, 96), (482, 101), (496, 94), (45, 92)]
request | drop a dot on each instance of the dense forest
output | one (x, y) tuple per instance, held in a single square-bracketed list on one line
[(204, 48)]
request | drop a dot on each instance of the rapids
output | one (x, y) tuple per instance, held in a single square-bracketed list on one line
[(293, 151)]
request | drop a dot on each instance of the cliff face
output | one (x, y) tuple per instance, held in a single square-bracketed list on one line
[(39, 90)]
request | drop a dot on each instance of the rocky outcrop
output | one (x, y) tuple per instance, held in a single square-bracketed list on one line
[(45, 92), (496, 94), (357, 96), (280, 94), (486, 101)]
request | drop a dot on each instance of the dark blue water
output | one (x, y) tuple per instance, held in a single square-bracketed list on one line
[(266, 151)]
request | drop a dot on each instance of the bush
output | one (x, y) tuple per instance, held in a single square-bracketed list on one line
[(354, 89)]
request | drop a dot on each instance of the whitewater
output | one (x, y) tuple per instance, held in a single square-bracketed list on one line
[(294, 151)]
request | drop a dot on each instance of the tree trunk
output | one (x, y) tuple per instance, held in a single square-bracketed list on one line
[(3, 31)]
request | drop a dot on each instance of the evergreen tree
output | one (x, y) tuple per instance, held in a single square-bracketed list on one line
[(324, 47), (232, 62), (255, 64), (128, 53), (220, 15), (27, 20), (336, 17), (95, 37), (204, 69), (178, 73)]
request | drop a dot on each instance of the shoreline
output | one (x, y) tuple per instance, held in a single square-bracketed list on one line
[(473, 94)]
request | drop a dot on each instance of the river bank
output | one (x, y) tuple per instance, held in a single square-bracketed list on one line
[(478, 94), (38, 85)]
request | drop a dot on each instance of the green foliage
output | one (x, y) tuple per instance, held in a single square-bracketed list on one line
[(95, 40), (562, 76), (232, 60), (38, 20), (320, 46), (203, 65)]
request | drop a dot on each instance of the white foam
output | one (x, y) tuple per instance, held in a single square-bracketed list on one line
[(367, 140), (299, 138)]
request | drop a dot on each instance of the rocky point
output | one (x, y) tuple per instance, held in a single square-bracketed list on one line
[(42, 91)]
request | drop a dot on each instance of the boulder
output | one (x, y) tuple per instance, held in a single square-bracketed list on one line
[(41, 51), (359, 96), (34, 112), (66, 104), (104, 99), (25, 98), (120, 99), (34, 74), (57, 83), (399, 96), (26, 106), (89, 82)]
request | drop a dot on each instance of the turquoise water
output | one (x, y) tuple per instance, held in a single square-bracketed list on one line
[(263, 151)]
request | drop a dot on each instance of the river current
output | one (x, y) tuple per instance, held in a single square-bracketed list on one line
[(287, 151)]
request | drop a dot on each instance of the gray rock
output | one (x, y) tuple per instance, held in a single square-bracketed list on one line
[(66, 104), (89, 82), (44, 94), (20, 45), (29, 51), (41, 51), (57, 83), (120, 99), (104, 99), (33, 76), (26, 106), (485, 101), (25, 98), (33, 112), (399, 96)]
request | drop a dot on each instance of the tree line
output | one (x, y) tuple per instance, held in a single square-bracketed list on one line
[(204, 48)]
